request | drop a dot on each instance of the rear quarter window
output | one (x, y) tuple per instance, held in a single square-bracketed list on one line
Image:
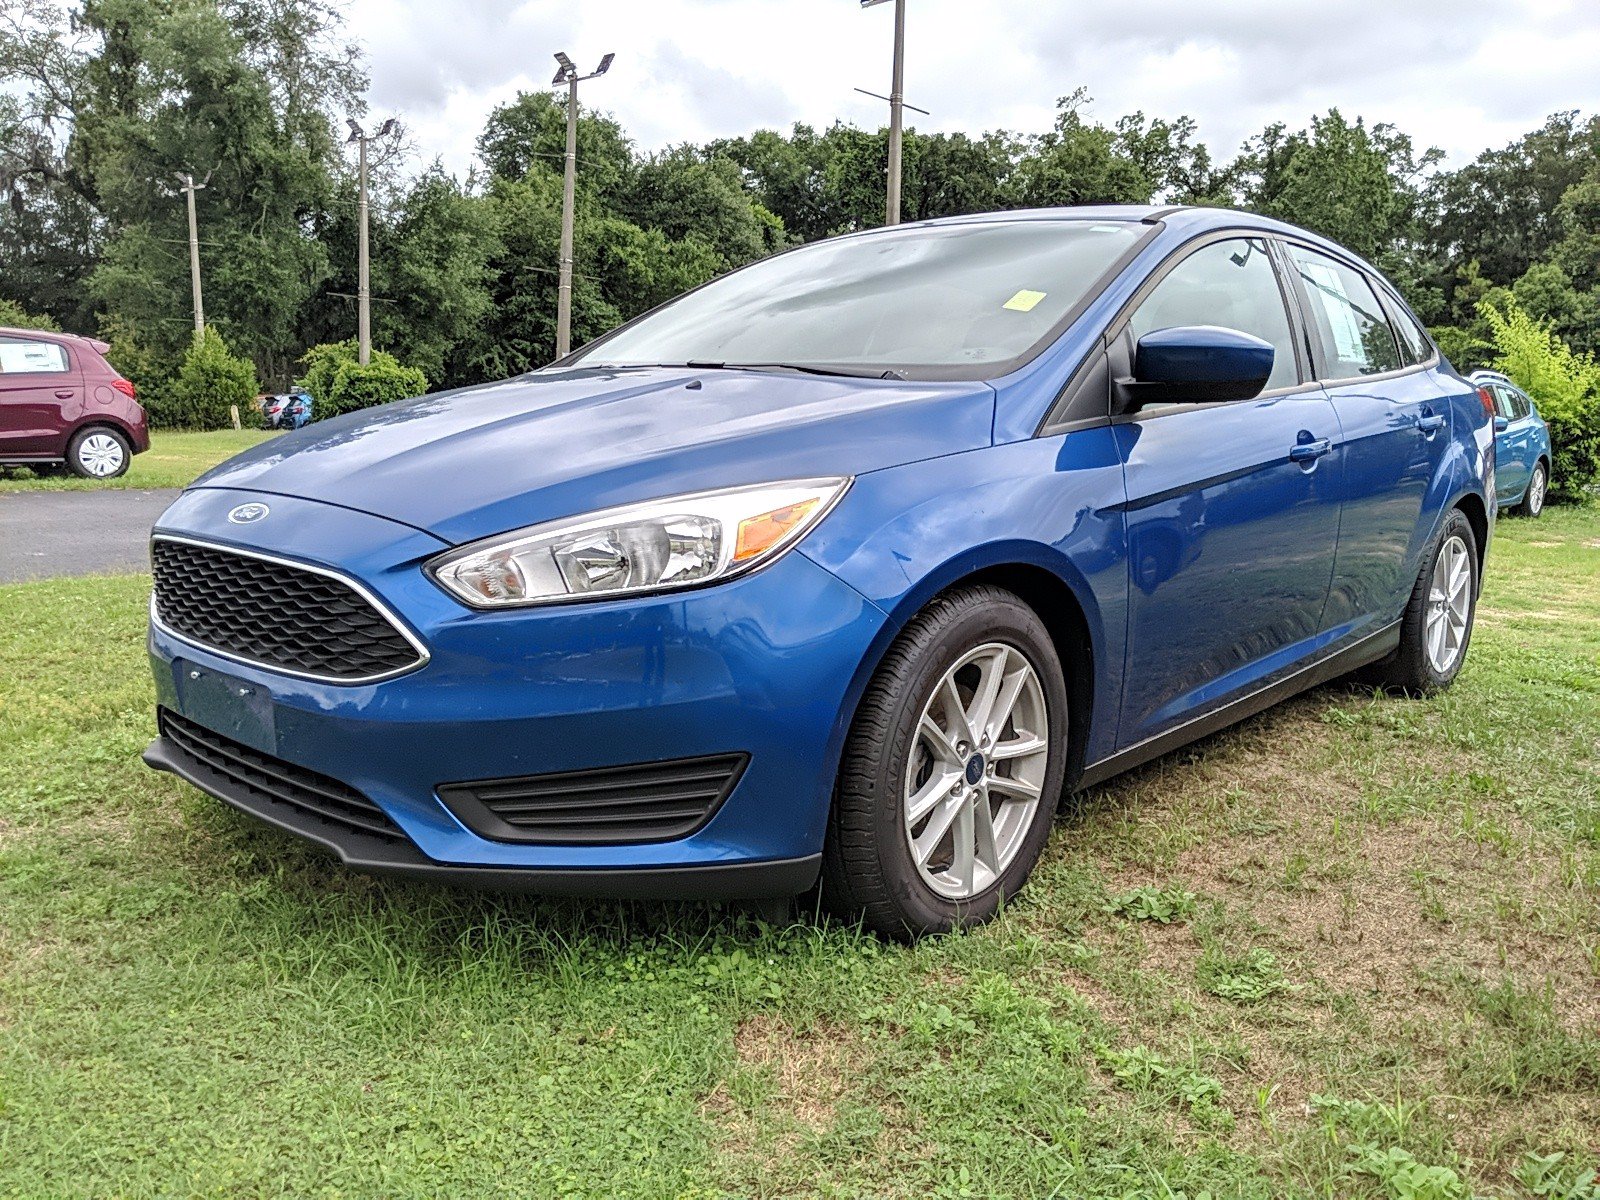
[(1347, 317), (1415, 346), (21, 357)]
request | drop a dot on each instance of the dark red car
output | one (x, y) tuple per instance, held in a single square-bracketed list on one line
[(62, 402)]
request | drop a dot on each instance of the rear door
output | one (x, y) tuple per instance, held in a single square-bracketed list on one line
[(1395, 423), (40, 392), (1233, 510)]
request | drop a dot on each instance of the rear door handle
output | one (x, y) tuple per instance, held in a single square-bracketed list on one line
[(1310, 451), (1430, 422)]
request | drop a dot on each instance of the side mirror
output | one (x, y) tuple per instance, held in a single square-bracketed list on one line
[(1501, 424), (1197, 364)]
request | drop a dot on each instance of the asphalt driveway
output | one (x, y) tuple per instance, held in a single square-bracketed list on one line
[(45, 535)]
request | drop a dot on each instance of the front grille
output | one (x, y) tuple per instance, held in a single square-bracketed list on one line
[(649, 802), (282, 783), (275, 614)]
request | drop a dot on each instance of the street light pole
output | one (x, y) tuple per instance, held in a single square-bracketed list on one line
[(190, 187), (568, 74), (363, 261), (897, 106)]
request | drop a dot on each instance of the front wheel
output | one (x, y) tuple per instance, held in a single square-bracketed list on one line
[(1533, 499), (1437, 625), (98, 453), (952, 770)]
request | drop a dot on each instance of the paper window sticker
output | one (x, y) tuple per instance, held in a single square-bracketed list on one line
[(1024, 301)]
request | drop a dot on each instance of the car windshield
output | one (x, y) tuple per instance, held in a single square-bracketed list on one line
[(932, 302)]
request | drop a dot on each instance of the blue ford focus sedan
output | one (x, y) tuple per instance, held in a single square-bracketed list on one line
[(838, 570)]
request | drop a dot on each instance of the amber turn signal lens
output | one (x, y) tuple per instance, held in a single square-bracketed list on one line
[(759, 534)]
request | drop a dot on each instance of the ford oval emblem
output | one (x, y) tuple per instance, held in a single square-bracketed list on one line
[(248, 514)]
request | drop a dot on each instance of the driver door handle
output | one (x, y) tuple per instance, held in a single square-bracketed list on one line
[(1430, 422), (1310, 451)]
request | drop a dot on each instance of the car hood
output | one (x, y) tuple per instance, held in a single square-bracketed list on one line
[(466, 464)]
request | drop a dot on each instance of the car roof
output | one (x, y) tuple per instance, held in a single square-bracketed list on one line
[(51, 335), (1184, 220)]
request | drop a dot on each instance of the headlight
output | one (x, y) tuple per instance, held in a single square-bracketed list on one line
[(656, 546)]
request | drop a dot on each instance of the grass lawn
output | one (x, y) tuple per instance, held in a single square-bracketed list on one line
[(1350, 948), (174, 460)]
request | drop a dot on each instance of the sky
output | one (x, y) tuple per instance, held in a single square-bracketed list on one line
[(1463, 75)]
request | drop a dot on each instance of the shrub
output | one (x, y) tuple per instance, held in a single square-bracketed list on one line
[(1565, 385), (17, 317), (340, 384), (151, 372), (207, 385)]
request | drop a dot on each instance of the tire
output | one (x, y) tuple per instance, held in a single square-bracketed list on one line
[(1429, 659), (976, 637), (98, 452), (1533, 499)]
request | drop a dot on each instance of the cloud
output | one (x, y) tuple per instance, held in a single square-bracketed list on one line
[(1463, 74)]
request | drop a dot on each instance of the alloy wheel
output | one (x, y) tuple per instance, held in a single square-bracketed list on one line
[(1536, 488), (101, 455), (976, 771), (1449, 604)]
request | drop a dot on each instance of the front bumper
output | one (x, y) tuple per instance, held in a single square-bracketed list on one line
[(764, 665)]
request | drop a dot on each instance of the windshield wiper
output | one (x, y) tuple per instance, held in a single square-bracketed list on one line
[(801, 367)]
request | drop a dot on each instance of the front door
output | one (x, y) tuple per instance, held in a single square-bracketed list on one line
[(1233, 511), (37, 388)]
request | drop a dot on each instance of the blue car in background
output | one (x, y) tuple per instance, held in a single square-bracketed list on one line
[(1521, 445), (840, 569)]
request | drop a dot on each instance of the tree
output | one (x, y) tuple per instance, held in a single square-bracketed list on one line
[(530, 134), (432, 272), (688, 193), (1504, 208), (147, 89), (1356, 185), (1080, 162)]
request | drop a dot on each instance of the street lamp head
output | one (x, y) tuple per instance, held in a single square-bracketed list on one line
[(387, 128), (566, 71), (605, 64), (355, 131)]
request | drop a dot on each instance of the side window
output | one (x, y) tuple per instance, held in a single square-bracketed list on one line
[(1356, 336), (20, 357), (1415, 348), (1521, 404), (1505, 402), (1232, 284)]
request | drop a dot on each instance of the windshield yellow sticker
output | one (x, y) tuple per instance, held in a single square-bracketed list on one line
[(1024, 301)]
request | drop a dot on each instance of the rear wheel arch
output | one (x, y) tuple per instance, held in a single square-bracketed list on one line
[(102, 421), (1477, 514)]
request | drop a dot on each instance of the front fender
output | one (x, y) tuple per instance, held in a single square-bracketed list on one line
[(903, 535)]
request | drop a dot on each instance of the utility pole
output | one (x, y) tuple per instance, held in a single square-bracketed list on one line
[(363, 265), (190, 187), (897, 107), (568, 74)]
